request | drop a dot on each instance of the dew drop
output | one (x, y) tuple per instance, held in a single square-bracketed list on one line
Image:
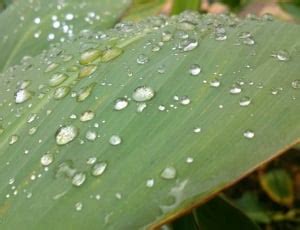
[(78, 179), (99, 168), (166, 36), (61, 92), (91, 135), (245, 101), (235, 89), (47, 159), (78, 206), (296, 84), (87, 116), (189, 160), (184, 100), (195, 70), (85, 92), (143, 93), (120, 104), (115, 140), (190, 44), (87, 71), (215, 83), (281, 55), (57, 78), (168, 173), (197, 130), (141, 107), (150, 183), (91, 160), (51, 67), (111, 54), (66, 134), (13, 139), (249, 134), (22, 95), (161, 108), (142, 59), (89, 56)]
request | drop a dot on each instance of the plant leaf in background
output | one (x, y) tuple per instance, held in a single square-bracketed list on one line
[(35, 24), (278, 184), (180, 6), (293, 8), (130, 129)]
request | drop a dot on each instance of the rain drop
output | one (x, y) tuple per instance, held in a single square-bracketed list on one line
[(249, 134), (143, 93), (47, 159), (99, 168), (120, 104), (195, 70), (168, 173), (78, 179), (115, 140), (66, 134)]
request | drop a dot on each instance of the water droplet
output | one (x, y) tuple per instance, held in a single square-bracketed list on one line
[(249, 134), (189, 44), (197, 130), (99, 168), (161, 108), (281, 55), (220, 33), (143, 93), (87, 71), (66, 134), (65, 169), (150, 183), (85, 92), (296, 84), (51, 67), (91, 135), (249, 41), (141, 107), (78, 179), (87, 116), (195, 70), (32, 130), (111, 54), (91, 160), (23, 84), (142, 59), (115, 140), (168, 173), (235, 89), (57, 79), (189, 160), (184, 100), (13, 139), (215, 83), (61, 92), (47, 159), (22, 95), (89, 56), (78, 206), (245, 101), (120, 104), (166, 36), (31, 117)]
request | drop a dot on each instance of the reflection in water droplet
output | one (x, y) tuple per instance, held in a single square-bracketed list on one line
[(168, 173), (47, 159), (78, 179), (99, 168), (249, 134), (143, 93), (115, 140), (66, 134), (245, 101), (195, 70), (120, 104)]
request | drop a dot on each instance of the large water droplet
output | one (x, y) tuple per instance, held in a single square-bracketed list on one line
[(78, 179), (189, 44), (168, 173), (115, 140), (120, 104), (143, 93), (66, 134), (99, 168)]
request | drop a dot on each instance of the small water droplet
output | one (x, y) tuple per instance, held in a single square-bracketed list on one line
[(249, 134), (61, 92), (99, 168), (195, 70), (87, 116), (166, 36), (87, 71), (150, 183), (66, 134), (281, 55), (111, 53), (141, 107), (47, 159), (91, 160), (13, 139), (161, 108), (85, 92), (143, 93), (189, 44), (142, 59), (197, 130), (120, 104), (189, 160), (235, 89), (78, 206), (245, 101), (168, 173), (91, 135), (78, 179), (215, 83), (115, 140), (51, 67), (184, 100), (22, 95)]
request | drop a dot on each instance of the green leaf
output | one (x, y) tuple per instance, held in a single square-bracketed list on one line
[(35, 25), (250, 204), (278, 184), (175, 153), (180, 6), (221, 214), (292, 8)]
